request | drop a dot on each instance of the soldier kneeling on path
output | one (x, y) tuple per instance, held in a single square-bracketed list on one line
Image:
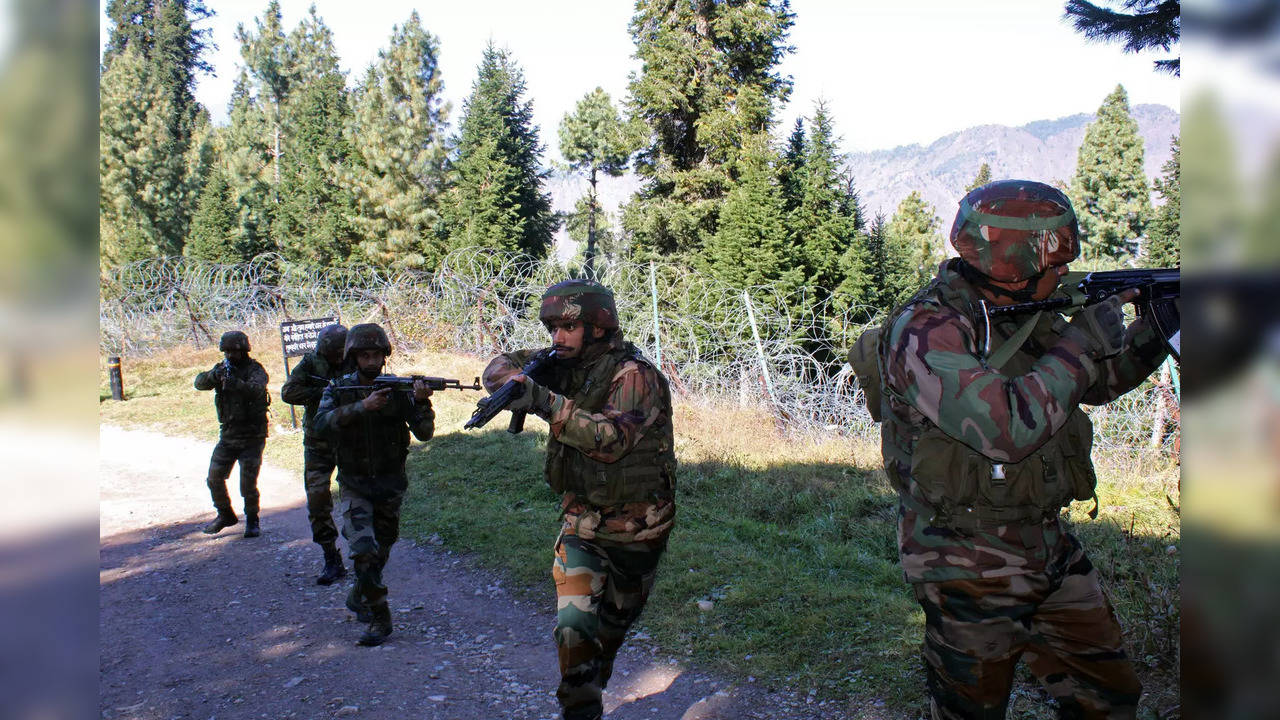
[(611, 457), (985, 443), (370, 434), (239, 385), (304, 387)]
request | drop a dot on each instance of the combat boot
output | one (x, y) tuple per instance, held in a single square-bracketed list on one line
[(225, 519), (251, 529), (333, 567), (380, 629), (357, 605)]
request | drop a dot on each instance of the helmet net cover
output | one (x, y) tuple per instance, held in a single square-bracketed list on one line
[(233, 340), (1013, 230), (366, 336), (332, 338), (582, 300)]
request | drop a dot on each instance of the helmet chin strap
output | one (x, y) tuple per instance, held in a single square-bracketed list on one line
[(975, 277)]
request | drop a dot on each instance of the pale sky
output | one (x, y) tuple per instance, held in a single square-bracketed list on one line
[(892, 72)]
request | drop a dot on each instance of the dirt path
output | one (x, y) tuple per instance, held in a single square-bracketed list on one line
[(223, 627)]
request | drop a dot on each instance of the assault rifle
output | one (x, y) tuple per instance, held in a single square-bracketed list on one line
[(1158, 293), (489, 407), (404, 383)]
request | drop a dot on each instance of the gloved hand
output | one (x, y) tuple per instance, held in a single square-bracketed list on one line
[(535, 399), (1100, 328)]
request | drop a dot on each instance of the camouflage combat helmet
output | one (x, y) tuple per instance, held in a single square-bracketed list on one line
[(1013, 230), (366, 336), (582, 300), (233, 340), (332, 338)]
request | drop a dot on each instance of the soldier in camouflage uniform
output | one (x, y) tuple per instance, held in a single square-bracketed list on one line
[(610, 456), (369, 432), (305, 385), (239, 385), (984, 440)]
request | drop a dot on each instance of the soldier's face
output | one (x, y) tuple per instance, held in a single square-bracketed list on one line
[(567, 337), (236, 356), (1044, 287), (370, 362), (334, 358)]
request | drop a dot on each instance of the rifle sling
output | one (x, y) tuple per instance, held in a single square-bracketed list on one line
[(1005, 352)]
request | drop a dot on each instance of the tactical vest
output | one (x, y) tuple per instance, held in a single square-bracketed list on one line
[(373, 444), (966, 489), (645, 474), (242, 411)]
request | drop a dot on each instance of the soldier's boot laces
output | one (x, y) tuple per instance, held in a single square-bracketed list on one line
[(251, 529), (379, 629), (357, 605), (225, 519), (333, 567)]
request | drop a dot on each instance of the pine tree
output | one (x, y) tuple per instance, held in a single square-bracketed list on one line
[(877, 295), (594, 140), (497, 199), (247, 161), (167, 50), (1151, 24), (982, 178), (215, 224), (269, 65), (578, 224), (708, 81), (396, 173), (141, 167), (912, 248), (750, 247), (824, 226), (1164, 235), (311, 222), (1109, 191), (790, 166)]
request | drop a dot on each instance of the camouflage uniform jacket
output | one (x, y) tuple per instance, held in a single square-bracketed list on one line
[(305, 387), (628, 426), (971, 449), (241, 401), (371, 447)]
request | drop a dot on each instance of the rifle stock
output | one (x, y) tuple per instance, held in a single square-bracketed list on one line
[(510, 391)]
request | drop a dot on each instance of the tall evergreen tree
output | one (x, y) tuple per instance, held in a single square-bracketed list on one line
[(248, 162), (311, 222), (1149, 24), (750, 247), (215, 224), (708, 80), (878, 269), (593, 139), (497, 199), (268, 60), (1164, 234), (609, 243), (790, 166), (1109, 191), (823, 228), (396, 172), (982, 178), (163, 40), (141, 167), (912, 248)]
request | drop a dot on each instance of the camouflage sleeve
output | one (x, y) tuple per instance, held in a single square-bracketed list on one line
[(423, 420), (301, 387), (1143, 352), (503, 367), (634, 404), (331, 413), (933, 365), (204, 381)]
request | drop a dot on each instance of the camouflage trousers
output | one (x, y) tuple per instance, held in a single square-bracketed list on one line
[(371, 527), (601, 587), (227, 453), (1060, 622), (317, 474)]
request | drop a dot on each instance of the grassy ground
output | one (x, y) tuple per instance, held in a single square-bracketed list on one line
[(790, 539)]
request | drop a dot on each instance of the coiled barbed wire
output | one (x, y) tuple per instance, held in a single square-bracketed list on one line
[(482, 301)]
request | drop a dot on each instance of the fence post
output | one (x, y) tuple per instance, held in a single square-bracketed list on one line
[(764, 366), (117, 380), (653, 292)]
